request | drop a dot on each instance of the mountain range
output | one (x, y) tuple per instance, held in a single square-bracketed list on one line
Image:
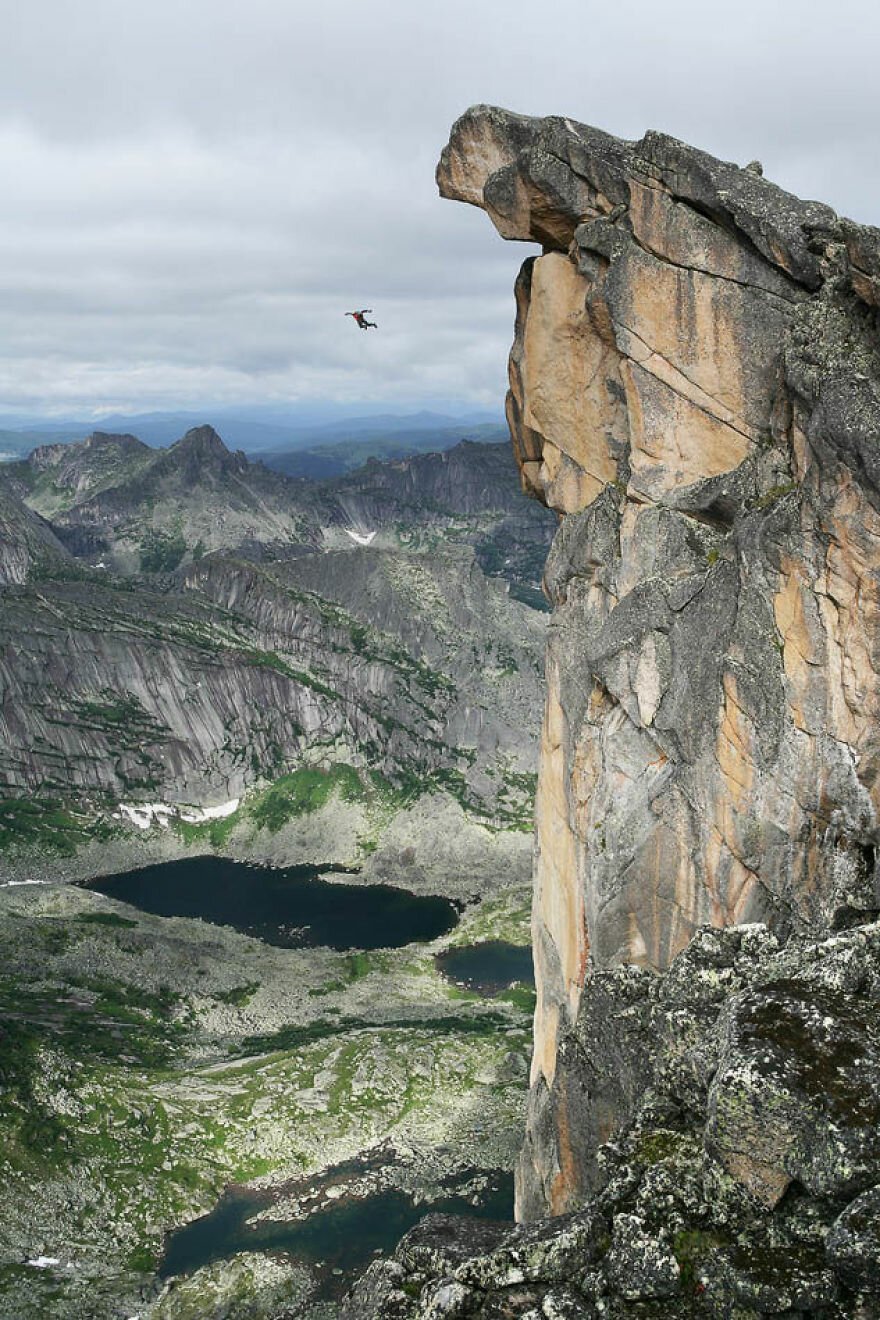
[(185, 625), (305, 440)]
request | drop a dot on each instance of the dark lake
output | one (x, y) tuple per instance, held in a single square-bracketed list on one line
[(343, 1236), (290, 907), (489, 967)]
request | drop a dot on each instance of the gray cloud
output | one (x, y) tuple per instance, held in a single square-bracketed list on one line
[(196, 191)]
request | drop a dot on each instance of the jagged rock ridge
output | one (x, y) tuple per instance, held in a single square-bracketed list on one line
[(118, 504)]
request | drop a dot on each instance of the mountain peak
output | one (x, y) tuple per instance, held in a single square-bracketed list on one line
[(201, 451), (201, 441)]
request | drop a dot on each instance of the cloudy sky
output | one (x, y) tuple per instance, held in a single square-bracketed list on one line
[(194, 191)]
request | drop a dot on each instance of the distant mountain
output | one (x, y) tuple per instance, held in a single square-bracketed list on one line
[(263, 430), (117, 502), (120, 505), (16, 443), (332, 456), (468, 494)]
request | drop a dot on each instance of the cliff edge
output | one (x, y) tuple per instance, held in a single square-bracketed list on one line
[(695, 389)]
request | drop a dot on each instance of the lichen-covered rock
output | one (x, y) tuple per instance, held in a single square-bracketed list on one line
[(539, 1253), (436, 1245), (447, 1300), (639, 1263), (562, 1304), (251, 1286), (853, 1245), (797, 1091), (749, 1097), (756, 1279), (695, 389)]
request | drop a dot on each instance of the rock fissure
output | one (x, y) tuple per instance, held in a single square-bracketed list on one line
[(707, 270), (726, 415)]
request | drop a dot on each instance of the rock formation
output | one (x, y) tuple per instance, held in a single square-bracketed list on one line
[(28, 546), (695, 389)]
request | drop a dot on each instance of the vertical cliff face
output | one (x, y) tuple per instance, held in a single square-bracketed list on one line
[(695, 389)]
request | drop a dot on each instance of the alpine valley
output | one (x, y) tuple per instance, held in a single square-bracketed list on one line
[(334, 685)]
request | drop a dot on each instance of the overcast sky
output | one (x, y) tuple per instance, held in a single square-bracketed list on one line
[(194, 191)]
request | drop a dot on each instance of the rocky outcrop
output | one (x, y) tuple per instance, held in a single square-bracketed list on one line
[(28, 545), (744, 1180), (695, 389)]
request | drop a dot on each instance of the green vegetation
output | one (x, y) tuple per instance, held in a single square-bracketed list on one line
[(506, 916), (360, 964), (122, 708), (653, 1147), (773, 494), (690, 1246), (213, 832), (292, 1038), (128, 1103), (303, 792), (239, 995), (531, 596), (103, 919), (523, 997), (271, 660), (92, 1022), (161, 552), (44, 823)]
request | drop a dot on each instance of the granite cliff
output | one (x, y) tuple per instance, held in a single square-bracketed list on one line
[(695, 389)]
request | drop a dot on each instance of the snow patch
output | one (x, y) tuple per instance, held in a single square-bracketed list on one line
[(360, 538), (43, 1262), (8, 884), (146, 814), (199, 814)]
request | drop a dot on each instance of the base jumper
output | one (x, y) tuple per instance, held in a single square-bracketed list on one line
[(361, 318)]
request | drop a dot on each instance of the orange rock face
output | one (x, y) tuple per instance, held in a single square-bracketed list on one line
[(695, 389)]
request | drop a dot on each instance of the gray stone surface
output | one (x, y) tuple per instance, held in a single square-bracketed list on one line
[(853, 1244)]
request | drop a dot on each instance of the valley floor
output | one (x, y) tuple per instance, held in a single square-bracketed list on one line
[(148, 1063)]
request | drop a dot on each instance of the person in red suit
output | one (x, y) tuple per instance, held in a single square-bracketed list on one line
[(361, 318)]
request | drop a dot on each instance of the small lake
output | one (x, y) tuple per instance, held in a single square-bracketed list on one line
[(337, 1241), (487, 968), (289, 907)]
